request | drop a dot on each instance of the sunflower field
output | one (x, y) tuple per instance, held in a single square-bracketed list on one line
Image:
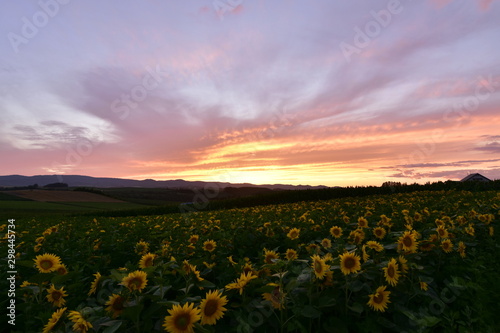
[(414, 262)]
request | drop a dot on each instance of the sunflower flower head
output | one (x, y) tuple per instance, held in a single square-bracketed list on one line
[(56, 296), (54, 319), (293, 233), (212, 307), (95, 283), (270, 256), (135, 281), (391, 272), (182, 318), (379, 300), (349, 263), (80, 324), (319, 267), (115, 305), (147, 260), (209, 245), (141, 248), (46, 263), (336, 231), (241, 282), (277, 297)]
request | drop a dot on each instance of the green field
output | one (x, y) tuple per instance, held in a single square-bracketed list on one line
[(423, 261), (33, 209)]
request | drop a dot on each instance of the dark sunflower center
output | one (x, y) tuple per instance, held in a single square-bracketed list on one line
[(349, 263), (211, 307), (118, 304), (46, 264), (209, 246), (56, 295), (182, 321), (407, 241), (390, 271), (318, 267), (148, 262), (135, 282), (379, 298)]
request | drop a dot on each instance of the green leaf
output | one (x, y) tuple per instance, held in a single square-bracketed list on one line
[(205, 284), (310, 312), (113, 326), (326, 301), (356, 307), (356, 285)]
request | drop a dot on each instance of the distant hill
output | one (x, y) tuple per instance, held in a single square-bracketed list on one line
[(87, 181)]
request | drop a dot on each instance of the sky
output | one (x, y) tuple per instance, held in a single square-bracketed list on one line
[(320, 92)]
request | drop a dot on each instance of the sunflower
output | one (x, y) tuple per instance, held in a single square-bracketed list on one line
[(241, 282), (379, 232), (182, 318), (442, 232), (293, 233), (391, 272), (80, 324), (408, 241), (362, 222), (46, 263), (53, 320), (426, 246), (424, 286), (380, 299), (374, 245), (141, 248), (212, 307), (384, 220), (276, 296), (365, 255), (193, 239), (62, 270), (209, 266), (357, 236), (336, 231), (56, 296), (231, 260), (147, 260), (447, 245), (291, 255), (209, 245), (326, 243), (248, 268), (269, 256), (346, 219), (328, 280), (319, 266), (95, 283), (135, 281), (115, 305), (349, 263), (404, 264)]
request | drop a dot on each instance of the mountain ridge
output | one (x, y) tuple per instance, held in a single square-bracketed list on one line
[(107, 182)]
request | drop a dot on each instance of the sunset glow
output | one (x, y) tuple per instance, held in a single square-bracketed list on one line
[(290, 92)]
